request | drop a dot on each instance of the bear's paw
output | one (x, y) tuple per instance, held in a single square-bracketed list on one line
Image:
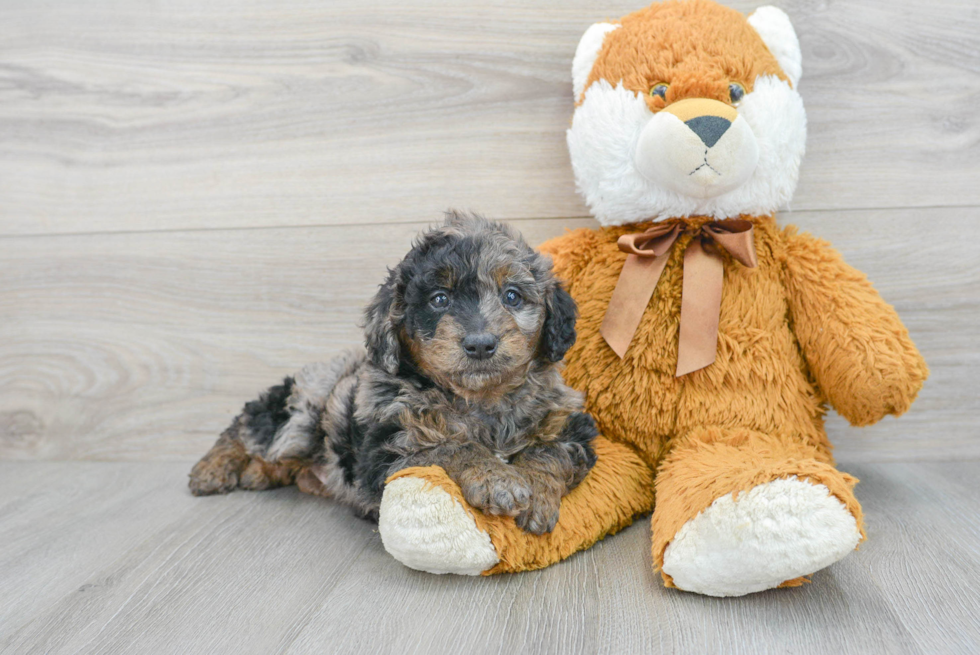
[(425, 528)]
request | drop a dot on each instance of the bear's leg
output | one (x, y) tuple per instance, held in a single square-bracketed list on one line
[(740, 511), (427, 525)]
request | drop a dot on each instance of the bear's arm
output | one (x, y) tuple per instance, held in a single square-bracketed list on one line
[(570, 253), (854, 342)]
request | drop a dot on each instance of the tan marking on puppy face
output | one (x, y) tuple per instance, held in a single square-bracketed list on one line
[(518, 329), (500, 276), (475, 274), (440, 356), (447, 278), (697, 47), (507, 274), (443, 359), (528, 318)]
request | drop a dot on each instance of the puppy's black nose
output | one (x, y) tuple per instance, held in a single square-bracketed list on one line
[(480, 346)]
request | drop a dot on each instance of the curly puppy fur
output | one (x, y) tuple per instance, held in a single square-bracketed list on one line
[(461, 370)]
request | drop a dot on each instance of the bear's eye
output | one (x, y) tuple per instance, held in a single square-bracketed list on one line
[(512, 298), (736, 92), (439, 300), (659, 90)]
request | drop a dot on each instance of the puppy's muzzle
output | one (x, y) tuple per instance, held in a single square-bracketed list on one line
[(480, 346)]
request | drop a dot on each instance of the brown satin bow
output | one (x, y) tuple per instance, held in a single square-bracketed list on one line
[(648, 253)]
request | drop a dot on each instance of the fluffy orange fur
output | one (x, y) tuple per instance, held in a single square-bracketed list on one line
[(800, 329), (708, 46)]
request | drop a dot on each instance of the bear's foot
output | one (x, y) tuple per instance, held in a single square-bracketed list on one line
[(740, 511), (426, 529), (774, 533)]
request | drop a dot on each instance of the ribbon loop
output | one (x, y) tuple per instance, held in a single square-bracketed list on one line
[(647, 256), (655, 242), (735, 236)]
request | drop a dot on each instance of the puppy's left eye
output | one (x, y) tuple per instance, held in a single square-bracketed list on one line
[(736, 92), (439, 300), (513, 298)]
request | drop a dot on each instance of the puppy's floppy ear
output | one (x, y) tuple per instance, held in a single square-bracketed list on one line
[(558, 333), (382, 319)]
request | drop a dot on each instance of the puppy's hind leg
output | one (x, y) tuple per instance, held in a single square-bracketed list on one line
[(218, 471), (239, 457)]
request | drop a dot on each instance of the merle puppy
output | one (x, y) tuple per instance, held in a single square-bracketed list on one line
[(461, 370)]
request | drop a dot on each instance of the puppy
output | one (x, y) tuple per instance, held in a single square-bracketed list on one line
[(461, 370)]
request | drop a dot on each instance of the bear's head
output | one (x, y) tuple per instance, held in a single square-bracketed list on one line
[(687, 108)]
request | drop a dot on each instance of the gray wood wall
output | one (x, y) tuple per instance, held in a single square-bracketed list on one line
[(197, 198)]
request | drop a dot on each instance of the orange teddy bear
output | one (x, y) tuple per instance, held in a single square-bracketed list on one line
[(710, 339)]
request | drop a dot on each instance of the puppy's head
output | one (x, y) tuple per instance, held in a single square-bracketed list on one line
[(471, 307)]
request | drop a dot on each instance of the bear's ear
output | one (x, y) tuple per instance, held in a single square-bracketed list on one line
[(586, 53), (777, 33)]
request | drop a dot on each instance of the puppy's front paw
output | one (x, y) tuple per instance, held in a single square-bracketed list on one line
[(541, 516), (496, 492)]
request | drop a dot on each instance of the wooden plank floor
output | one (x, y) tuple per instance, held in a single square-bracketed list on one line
[(120, 558)]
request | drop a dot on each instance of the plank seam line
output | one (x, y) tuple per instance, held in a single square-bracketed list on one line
[(245, 228)]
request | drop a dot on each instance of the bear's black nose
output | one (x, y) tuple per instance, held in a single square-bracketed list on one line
[(709, 128), (480, 346)]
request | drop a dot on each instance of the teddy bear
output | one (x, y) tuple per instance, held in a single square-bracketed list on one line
[(711, 341)]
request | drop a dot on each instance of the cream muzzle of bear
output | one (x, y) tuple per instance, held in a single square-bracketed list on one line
[(697, 147)]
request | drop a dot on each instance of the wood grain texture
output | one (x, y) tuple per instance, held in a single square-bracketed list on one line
[(147, 116), (119, 558), (143, 346)]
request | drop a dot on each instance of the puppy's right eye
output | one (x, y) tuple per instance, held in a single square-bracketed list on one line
[(439, 300)]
